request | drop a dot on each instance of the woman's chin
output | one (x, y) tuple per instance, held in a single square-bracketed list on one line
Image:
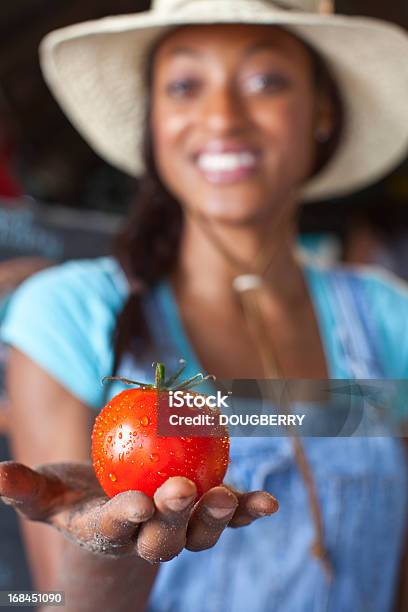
[(234, 212)]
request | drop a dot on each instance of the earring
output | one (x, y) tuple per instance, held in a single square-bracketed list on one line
[(322, 135)]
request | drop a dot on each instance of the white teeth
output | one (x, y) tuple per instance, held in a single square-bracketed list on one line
[(226, 162)]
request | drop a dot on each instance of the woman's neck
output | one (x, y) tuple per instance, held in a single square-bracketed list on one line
[(205, 273)]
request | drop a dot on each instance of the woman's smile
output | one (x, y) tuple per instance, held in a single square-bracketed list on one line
[(226, 163)]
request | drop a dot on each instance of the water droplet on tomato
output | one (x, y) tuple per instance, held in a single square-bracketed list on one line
[(113, 477), (109, 438), (99, 433), (120, 436), (154, 457), (140, 445), (135, 433), (121, 457), (144, 421)]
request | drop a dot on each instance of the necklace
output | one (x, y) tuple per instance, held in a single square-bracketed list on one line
[(247, 284)]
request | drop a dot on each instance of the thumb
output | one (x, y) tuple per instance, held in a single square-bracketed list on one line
[(32, 493)]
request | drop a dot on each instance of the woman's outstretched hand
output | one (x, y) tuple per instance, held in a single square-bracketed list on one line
[(69, 497)]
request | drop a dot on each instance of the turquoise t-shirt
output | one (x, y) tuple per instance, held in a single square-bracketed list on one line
[(63, 319)]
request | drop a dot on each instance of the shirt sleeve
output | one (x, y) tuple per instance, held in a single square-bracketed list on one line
[(63, 319), (388, 299)]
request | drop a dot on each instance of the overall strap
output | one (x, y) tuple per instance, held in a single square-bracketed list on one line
[(161, 348), (164, 347), (357, 328)]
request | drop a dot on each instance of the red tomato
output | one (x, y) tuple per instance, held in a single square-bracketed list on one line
[(128, 455)]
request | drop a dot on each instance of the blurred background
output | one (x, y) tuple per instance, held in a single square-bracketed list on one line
[(59, 201)]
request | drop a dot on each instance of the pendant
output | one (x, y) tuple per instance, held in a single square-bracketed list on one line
[(247, 282)]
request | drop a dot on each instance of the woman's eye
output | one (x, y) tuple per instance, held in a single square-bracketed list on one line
[(268, 83), (182, 88)]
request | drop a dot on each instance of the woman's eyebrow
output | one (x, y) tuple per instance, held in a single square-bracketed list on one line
[(184, 51), (266, 45)]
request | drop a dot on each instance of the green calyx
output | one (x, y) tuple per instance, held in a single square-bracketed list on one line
[(161, 384)]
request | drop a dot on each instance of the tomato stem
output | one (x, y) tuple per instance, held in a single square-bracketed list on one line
[(194, 381), (170, 381), (161, 384), (160, 375), (126, 381)]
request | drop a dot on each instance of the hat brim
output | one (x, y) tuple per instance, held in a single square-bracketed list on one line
[(96, 72)]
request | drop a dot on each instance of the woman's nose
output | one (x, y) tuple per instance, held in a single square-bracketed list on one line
[(224, 111)]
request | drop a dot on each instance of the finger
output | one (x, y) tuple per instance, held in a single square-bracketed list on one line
[(32, 493), (107, 527), (210, 517), (252, 506), (163, 537), (120, 517)]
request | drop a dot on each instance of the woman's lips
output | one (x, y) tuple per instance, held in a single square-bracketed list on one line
[(227, 166)]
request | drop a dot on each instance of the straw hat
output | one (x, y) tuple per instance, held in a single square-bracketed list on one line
[(95, 70)]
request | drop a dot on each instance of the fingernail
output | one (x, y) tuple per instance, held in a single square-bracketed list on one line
[(219, 513), (179, 503), (140, 517), (262, 513)]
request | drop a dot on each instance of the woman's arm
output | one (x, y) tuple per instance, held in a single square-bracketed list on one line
[(48, 425), (119, 535), (14, 271)]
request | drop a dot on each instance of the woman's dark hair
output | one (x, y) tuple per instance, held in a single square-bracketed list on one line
[(147, 248)]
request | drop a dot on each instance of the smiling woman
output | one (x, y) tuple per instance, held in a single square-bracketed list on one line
[(233, 121)]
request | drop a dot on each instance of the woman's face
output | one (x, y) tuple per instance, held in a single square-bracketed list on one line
[(234, 113)]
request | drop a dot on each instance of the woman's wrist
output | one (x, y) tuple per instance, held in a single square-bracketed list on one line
[(93, 582)]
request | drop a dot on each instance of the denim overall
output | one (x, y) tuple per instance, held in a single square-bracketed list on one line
[(362, 489)]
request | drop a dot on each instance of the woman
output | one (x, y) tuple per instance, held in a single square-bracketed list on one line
[(244, 122)]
